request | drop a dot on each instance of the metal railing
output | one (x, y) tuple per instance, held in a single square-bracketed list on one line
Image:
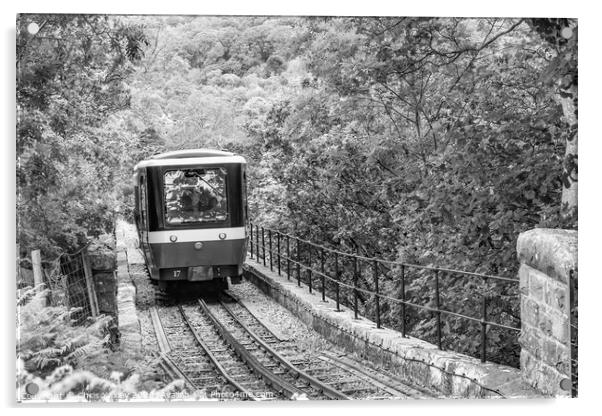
[(365, 284), (573, 334)]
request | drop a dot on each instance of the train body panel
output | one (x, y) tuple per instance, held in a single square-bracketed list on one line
[(213, 253), (190, 213)]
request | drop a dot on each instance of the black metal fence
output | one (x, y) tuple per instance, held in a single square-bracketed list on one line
[(400, 296), (573, 336), (71, 285)]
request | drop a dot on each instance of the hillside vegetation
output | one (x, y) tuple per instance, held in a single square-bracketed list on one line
[(432, 141)]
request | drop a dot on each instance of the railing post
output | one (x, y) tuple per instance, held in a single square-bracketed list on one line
[(309, 267), (251, 239), (403, 300), (298, 262), (355, 281), (573, 334), (438, 313), (484, 329), (377, 294), (323, 278), (278, 245), (336, 278), (257, 243), (270, 245), (288, 257), (263, 244)]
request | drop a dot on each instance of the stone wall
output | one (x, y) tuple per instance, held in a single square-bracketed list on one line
[(129, 324), (103, 263), (547, 258), (451, 374), (102, 259)]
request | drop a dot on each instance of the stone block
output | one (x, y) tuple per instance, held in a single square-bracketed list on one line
[(548, 381), (556, 355), (545, 324), (102, 258), (551, 251), (526, 363), (105, 285), (537, 284), (556, 296), (523, 276), (529, 311), (564, 365), (550, 352), (560, 328), (531, 340)]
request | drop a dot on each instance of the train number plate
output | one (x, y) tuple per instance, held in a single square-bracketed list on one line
[(199, 273), (174, 274)]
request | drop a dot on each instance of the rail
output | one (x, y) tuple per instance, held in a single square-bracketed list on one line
[(218, 366), (336, 271), (312, 381), (291, 391)]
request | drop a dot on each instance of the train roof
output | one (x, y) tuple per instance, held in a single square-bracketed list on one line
[(190, 157), (179, 154)]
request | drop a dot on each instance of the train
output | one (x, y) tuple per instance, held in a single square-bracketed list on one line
[(191, 216)]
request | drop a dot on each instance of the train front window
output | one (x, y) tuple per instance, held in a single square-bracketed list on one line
[(195, 196)]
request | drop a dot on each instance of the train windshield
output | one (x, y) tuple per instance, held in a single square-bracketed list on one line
[(195, 196)]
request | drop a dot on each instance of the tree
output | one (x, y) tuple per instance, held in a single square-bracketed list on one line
[(561, 74), (428, 141), (70, 78)]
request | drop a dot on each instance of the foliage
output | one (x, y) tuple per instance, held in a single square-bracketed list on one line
[(561, 74), (431, 141), (427, 141), (70, 78), (47, 339), (53, 353)]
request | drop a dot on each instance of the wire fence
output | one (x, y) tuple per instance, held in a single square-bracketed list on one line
[(71, 285), (474, 317)]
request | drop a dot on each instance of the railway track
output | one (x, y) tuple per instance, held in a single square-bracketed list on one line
[(351, 379), (221, 348), (197, 354)]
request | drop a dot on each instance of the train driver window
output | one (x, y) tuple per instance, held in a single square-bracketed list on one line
[(143, 201), (195, 196)]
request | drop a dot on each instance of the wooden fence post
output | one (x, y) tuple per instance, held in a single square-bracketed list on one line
[(90, 285), (38, 274)]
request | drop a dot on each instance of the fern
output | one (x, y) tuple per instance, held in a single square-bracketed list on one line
[(87, 349), (66, 361), (43, 362)]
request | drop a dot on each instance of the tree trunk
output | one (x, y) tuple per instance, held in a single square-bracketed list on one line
[(569, 168)]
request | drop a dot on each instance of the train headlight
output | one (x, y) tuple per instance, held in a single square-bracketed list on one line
[(198, 245), (222, 236), (173, 238)]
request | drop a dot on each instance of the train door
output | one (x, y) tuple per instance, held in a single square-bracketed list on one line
[(143, 217), (245, 205)]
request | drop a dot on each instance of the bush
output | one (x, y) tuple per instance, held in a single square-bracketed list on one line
[(57, 360)]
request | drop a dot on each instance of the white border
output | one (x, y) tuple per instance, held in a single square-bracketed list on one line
[(589, 178), (188, 236)]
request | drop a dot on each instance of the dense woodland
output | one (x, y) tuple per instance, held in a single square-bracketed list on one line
[(432, 141)]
